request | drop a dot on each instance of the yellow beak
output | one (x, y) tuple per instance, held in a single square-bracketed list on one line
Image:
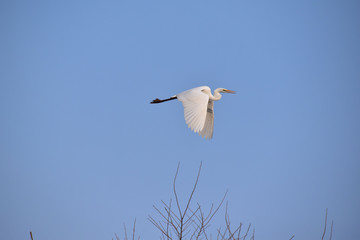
[(230, 91)]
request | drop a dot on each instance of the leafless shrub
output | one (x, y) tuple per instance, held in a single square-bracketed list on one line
[(192, 222)]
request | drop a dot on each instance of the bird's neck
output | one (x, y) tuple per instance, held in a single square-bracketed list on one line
[(217, 96)]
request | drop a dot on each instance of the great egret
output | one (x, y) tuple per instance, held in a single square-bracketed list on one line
[(198, 106)]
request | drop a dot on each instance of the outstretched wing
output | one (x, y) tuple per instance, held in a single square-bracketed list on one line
[(208, 129), (195, 103)]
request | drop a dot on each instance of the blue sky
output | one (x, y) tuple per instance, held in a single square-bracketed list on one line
[(82, 151)]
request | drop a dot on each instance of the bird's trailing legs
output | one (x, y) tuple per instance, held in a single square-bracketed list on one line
[(164, 100)]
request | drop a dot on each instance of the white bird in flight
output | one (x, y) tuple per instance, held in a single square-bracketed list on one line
[(198, 108)]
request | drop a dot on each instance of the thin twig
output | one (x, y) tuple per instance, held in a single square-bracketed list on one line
[(216, 210), (192, 193), (117, 237), (126, 238), (169, 207), (133, 238), (159, 227), (222, 235), (325, 224), (253, 235), (192, 215), (168, 220), (247, 231), (331, 231), (174, 186), (238, 236)]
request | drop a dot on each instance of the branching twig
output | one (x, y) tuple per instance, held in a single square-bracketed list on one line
[(189, 222)]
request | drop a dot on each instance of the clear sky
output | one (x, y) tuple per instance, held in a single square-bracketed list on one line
[(82, 151)]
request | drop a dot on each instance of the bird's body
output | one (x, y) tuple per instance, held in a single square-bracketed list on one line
[(198, 106)]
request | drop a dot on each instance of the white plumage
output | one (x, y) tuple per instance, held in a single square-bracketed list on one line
[(198, 106)]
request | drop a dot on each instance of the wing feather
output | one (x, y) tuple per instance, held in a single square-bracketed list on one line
[(208, 129), (195, 103)]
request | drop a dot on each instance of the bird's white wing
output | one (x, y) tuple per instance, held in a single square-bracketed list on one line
[(208, 129), (195, 103)]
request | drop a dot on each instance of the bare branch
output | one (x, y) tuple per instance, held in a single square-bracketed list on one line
[(169, 219), (238, 236), (192, 215), (222, 234), (331, 231), (153, 221), (174, 186), (133, 238), (322, 238), (169, 208), (216, 210), (117, 237), (247, 231), (192, 193), (253, 235), (125, 232)]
